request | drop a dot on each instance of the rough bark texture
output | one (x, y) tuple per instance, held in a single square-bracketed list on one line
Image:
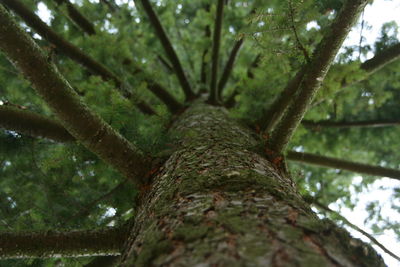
[(217, 202), (52, 244)]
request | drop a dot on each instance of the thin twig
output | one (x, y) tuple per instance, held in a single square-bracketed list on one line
[(358, 229), (293, 26)]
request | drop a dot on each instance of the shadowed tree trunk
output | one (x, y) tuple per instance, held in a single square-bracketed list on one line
[(218, 202)]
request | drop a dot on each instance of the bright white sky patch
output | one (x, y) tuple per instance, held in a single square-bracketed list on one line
[(44, 13), (381, 191), (375, 15), (312, 25), (129, 2)]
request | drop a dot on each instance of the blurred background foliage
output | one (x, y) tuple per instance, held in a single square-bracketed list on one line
[(47, 185)]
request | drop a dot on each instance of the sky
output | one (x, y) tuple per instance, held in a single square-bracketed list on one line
[(374, 16)]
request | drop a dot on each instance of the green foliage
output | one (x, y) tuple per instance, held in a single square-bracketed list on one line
[(48, 185)]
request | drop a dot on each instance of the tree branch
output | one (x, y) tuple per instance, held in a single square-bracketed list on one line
[(231, 101), (159, 91), (54, 244), (370, 66), (169, 50), (165, 63), (74, 52), (77, 17), (355, 227), (111, 5), (253, 65), (215, 53), (29, 123), (320, 63), (281, 103), (343, 164), (381, 59), (229, 66), (350, 124), (204, 65), (87, 127), (86, 210)]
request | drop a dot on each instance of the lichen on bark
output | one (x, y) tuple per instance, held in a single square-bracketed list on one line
[(216, 201)]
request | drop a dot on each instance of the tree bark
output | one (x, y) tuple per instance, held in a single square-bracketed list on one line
[(343, 164), (217, 202)]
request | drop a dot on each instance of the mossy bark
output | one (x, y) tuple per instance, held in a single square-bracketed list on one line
[(218, 202)]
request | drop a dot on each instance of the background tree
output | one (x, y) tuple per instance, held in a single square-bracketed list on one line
[(168, 132)]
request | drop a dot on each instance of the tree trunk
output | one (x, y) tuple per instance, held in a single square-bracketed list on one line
[(218, 202)]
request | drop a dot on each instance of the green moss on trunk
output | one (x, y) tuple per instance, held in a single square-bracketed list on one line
[(218, 202)]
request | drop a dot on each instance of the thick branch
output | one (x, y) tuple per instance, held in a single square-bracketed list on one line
[(77, 17), (381, 59), (350, 124), (169, 50), (229, 66), (358, 229), (52, 244), (77, 118), (73, 52), (215, 52), (319, 65), (29, 123), (343, 164)]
